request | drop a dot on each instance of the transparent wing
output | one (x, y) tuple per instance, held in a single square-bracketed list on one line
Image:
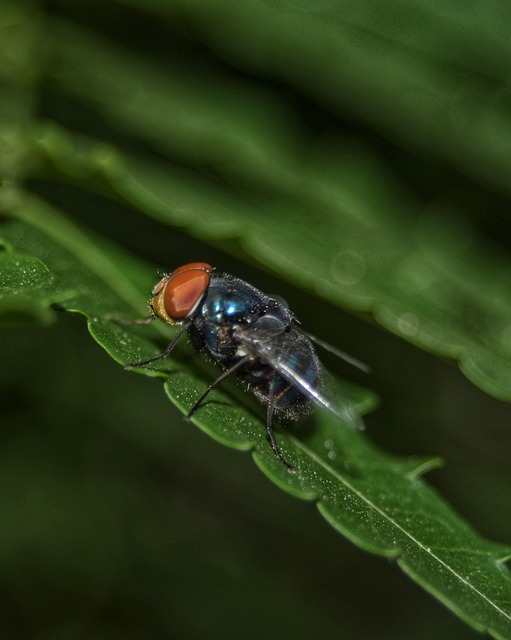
[(340, 354), (286, 351)]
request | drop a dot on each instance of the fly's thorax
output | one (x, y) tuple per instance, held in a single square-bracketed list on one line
[(231, 317), (215, 340), (230, 301)]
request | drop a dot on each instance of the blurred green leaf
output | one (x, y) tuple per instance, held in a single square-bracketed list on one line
[(427, 74), (376, 500)]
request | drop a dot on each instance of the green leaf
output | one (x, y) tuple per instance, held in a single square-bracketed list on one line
[(378, 501), (426, 74), (26, 288)]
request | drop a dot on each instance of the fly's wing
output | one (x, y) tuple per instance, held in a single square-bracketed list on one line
[(272, 342), (340, 354)]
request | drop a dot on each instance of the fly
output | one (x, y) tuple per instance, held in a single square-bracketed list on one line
[(251, 335)]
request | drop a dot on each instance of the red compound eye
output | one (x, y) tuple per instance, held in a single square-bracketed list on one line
[(177, 295)]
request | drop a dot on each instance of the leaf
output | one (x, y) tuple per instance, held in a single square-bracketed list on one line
[(22, 273), (425, 74), (323, 218), (378, 501)]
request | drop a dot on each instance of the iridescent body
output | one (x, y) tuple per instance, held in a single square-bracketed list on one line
[(248, 333)]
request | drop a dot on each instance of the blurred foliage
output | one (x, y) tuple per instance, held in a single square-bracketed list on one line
[(357, 150)]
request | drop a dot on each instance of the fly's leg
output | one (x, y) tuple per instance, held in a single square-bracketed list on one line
[(163, 355), (215, 383), (271, 433), (269, 414)]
